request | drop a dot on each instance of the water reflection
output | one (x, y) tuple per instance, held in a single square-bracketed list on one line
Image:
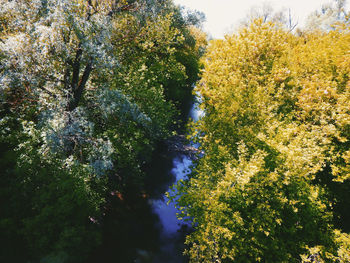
[(167, 212), (196, 113), (172, 229)]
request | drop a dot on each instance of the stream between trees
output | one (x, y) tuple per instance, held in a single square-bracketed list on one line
[(172, 230)]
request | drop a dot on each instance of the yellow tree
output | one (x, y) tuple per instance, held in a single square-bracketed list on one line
[(276, 118)]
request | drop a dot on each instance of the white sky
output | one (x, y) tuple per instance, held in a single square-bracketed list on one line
[(223, 15)]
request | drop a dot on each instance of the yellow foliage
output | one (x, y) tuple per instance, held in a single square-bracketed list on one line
[(277, 114)]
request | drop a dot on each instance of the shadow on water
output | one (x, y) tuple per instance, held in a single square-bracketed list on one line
[(159, 176), (166, 169), (144, 229)]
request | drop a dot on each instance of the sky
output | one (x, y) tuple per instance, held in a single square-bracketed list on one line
[(222, 16)]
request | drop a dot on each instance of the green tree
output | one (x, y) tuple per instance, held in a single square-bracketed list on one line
[(84, 96)]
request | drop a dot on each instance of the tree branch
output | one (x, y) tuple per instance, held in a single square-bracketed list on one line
[(80, 88), (119, 9), (48, 92), (76, 69)]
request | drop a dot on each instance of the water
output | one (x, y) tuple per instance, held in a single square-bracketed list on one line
[(141, 228), (172, 229), (166, 210)]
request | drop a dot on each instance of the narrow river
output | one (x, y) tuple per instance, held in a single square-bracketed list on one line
[(173, 230), (146, 229)]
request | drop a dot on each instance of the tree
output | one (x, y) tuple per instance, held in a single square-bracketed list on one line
[(276, 117), (266, 12), (84, 96), (328, 16)]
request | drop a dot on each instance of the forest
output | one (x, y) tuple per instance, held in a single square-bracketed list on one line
[(91, 91)]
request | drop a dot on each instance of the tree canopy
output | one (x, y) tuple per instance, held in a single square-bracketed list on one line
[(86, 89), (275, 148)]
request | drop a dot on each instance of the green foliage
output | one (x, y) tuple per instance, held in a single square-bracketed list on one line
[(87, 88), (46, 207)]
